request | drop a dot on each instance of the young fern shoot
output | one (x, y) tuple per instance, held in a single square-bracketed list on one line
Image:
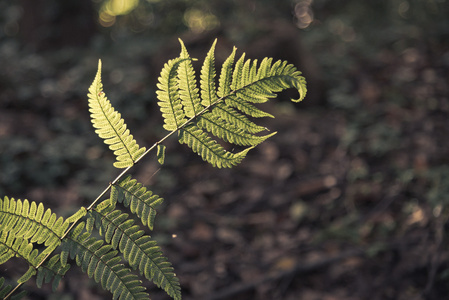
[(202, 116)]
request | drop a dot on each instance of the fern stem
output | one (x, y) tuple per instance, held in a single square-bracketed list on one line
[(109, 187), (13, 291)]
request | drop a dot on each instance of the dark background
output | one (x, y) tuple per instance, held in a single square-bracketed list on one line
[(347, 201)]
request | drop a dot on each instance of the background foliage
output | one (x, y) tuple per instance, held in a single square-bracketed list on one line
[(361, 164)]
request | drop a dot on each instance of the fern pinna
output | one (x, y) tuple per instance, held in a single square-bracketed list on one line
[(107, 243), (111, 127), (24, 224)]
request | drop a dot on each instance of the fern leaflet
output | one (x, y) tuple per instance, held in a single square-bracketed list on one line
[(30, 222), (208, 148), (139, 250), (111, 127), (141, 202), (102, 263), (188, 91), (169, 99), (22, 225)]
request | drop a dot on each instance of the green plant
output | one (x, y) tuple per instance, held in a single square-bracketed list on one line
[(100, 237)]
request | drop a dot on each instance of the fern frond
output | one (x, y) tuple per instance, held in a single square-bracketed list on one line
[(188, 91), (232, 116), (6, 247), (28, 274), (102, 263), (225, 112), (208, 148), (12, 246), (139, 250), (76, 216), (141, 201), (245, 107), (229, 132), (21, 225), (30, 222), (208, 91), (237, 74), (111, 127), (168, 95), (224, 83)]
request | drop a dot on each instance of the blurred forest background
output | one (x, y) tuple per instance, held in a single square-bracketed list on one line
[(348, 201)]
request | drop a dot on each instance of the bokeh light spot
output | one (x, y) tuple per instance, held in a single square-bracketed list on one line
[(303, 13), (113, 8), (106, 20), (199, 21)]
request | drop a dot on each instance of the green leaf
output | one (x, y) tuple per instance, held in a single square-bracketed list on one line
[(168, 95), (208, 91), (160, 153), (111, 127), (102, 263), (222, 115), (76, 216), (138, 249), (188, 90), (141, 201), (28, 274)]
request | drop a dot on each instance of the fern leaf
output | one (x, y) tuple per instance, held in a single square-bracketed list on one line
[(23, 224), (111, 127), (11, 246), (229, 132), (226, 111), (141, 201), (232, 116), (6, 250), (188, 91), (68, 248), (52, 269), (168, 95), (209, 149), (224, 87), (24, 220), (138, 249), (237, 74), (100, 262), (160, 154), (245, 107), (28, 274), (208, 91), (76, 216)]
